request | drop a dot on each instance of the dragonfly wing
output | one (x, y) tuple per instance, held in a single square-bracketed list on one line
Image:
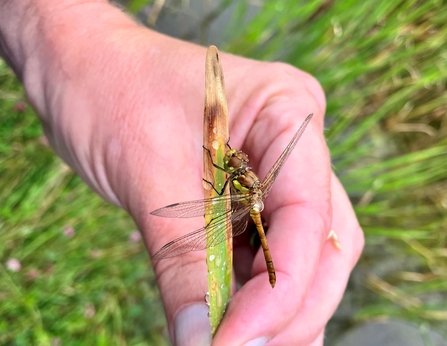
[(239, 225), (201, 207), (269, 179), (194, 241), (212, 234)]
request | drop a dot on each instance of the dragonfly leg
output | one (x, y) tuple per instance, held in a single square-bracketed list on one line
[(211, 159), (228, 143), (220, 193), (211, 184)]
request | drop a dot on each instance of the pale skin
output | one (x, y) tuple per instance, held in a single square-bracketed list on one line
[(123, 106)]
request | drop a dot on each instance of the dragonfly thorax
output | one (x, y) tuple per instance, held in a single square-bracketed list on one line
[(246, 181), (258, 206)]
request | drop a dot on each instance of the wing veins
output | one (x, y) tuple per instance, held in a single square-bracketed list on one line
[(201, 207), (210, 235), (270, 177)]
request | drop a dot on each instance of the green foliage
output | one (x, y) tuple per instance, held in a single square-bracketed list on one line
[(134, 6)]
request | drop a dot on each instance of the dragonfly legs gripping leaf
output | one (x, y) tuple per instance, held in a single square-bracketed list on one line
[(211, 158), (220, 193)]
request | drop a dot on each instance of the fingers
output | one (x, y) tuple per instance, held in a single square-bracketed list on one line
[(257, 310), (331, 277), (183, 284), (300, 219), (319, 340), (192, 326), (292, 313)]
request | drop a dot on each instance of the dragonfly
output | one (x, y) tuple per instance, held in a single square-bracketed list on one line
[(247, 195)]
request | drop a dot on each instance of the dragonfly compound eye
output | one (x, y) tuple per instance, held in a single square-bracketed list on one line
[(234, 162), (230, 160)]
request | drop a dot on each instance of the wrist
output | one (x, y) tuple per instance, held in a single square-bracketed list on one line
[(22, 25), (52, 43), (90, 71)]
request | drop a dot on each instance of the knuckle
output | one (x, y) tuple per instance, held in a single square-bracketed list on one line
[(292, 76)]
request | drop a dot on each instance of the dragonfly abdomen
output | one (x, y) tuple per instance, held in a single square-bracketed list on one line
[(256, 216)]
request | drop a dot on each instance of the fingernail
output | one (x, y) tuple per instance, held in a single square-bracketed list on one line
[(257, 342), (192, 326)]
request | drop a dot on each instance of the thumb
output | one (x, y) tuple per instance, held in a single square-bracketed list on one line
[(182, 281)]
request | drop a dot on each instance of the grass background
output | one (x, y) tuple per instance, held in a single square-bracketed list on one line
[(84, 275)]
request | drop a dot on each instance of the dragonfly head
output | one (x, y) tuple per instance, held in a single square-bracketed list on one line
[(235, 160)]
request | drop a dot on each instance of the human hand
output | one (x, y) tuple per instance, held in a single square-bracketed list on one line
[(124, 107)]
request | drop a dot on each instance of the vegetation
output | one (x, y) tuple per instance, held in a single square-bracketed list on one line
[(72, 268)]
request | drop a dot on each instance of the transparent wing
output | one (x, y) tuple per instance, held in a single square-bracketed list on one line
[(212, 234), (269, 179), (202, 207)]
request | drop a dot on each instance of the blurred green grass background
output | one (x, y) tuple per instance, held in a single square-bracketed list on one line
[(84, 277)]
